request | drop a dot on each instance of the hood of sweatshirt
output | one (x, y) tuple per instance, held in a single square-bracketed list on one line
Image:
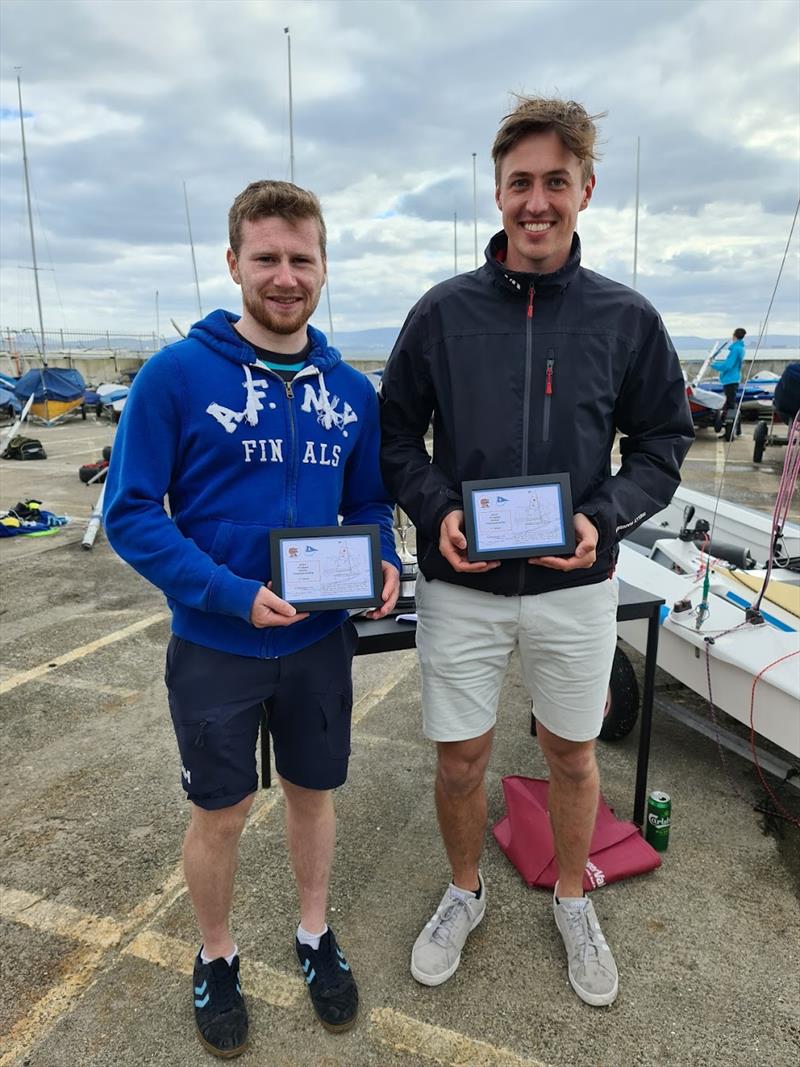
[(216, 332)]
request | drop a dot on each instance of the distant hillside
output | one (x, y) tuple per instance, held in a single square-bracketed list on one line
[(376, 342), (380, 339), (383, 338)]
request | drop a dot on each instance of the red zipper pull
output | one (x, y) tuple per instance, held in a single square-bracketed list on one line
[(548, 385), (530, 303)]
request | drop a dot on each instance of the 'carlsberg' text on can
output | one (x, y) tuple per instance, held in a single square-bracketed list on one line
[(659, 807)]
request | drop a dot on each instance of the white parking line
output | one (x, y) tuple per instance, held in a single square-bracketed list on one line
[(391, 1028), (447, 1047), (370, 700), (278, 989), (79, 653)]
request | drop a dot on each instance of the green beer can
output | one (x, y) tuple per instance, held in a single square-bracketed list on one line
[(659, 808)]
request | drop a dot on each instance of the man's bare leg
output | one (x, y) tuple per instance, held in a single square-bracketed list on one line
[(311, 837), (461, 804), (210, 855), (572, 798)]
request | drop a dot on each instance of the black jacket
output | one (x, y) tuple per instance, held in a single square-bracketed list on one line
[(533, 374)]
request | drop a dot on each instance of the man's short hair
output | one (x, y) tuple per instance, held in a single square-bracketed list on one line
[(537, 114), (739, 333), (265, 199)]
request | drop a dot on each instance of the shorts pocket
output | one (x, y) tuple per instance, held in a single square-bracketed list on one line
[(337, 710)]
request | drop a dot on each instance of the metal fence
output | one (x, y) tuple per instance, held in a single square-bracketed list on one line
[(27, 343)]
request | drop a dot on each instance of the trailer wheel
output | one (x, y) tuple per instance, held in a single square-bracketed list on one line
[(760, 435), (622, 703)]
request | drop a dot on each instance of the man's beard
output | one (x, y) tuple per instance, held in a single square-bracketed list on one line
[(283, 324)]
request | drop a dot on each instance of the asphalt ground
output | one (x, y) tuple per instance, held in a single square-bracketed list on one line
[(97, 931)]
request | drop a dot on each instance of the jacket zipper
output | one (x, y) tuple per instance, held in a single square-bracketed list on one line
[(306, 372), (526, 407), (292, 449), (268, 641), (526, 410), (548, 393)]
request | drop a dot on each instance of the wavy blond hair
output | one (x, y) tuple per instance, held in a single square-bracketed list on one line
[(575, 127)]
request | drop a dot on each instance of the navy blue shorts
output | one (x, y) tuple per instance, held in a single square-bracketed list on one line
[(216, 699)]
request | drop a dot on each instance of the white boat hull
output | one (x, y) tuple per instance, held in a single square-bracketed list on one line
[(734, 660), (734, 523)]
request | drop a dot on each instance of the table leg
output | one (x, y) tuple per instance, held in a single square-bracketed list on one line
[(651, 655)]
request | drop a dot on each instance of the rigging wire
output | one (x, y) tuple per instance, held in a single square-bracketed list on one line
[(761, 335), (43, 231), (784, 495)]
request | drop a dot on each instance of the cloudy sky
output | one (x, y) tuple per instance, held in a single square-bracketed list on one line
[(124, 101)]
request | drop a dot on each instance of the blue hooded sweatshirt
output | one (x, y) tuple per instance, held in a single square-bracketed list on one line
[(730, 368), (239, 452)]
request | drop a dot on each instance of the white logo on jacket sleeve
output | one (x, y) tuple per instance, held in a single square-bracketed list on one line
[(255, 394), (325, 407)]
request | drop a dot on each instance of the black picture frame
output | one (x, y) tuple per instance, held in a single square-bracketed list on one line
[(308, 534), (472, 491)]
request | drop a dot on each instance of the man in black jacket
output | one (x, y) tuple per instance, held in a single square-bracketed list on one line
[(529, 365)]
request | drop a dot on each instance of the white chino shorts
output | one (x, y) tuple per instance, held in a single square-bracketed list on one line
[(465, 638)]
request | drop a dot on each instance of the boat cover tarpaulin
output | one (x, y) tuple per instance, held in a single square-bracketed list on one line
[(59, 383), (9, 400), (617, 850)]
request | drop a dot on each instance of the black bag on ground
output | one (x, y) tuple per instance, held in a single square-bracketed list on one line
[(90, 471), (24, 448)]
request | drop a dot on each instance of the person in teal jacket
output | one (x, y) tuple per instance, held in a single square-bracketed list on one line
[(252, 423), (730, 374)]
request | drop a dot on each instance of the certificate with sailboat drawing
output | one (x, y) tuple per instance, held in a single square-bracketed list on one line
[(320, 568), (508, 518)]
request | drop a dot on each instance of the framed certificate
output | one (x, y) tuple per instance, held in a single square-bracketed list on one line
[(508, 518), (320, 568)]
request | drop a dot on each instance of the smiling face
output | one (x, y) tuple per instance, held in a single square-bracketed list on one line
[(281, 270), (540, 192)]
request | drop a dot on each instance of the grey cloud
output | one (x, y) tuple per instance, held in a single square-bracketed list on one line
[(205, 83)]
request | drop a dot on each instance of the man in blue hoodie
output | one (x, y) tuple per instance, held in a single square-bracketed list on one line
[(730, 374), (253, 422)]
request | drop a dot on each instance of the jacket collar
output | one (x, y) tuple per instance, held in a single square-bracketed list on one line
[(520, 282)]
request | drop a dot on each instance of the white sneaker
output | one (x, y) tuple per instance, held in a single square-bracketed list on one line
[(591, 967), (437, 951)]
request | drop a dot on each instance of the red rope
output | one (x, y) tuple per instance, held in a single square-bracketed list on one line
[(778, 806)]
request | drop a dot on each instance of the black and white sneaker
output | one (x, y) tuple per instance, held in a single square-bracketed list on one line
[(219, 1009), (330, 983)]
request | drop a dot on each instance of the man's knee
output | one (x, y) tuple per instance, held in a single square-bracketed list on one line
[(302, 800), (571, 761), (221, 822), (462, 764)]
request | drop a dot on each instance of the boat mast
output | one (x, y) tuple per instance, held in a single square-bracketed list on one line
[(475, 204), (30, 219), (287, 31), (191, 244), (291, 110)]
